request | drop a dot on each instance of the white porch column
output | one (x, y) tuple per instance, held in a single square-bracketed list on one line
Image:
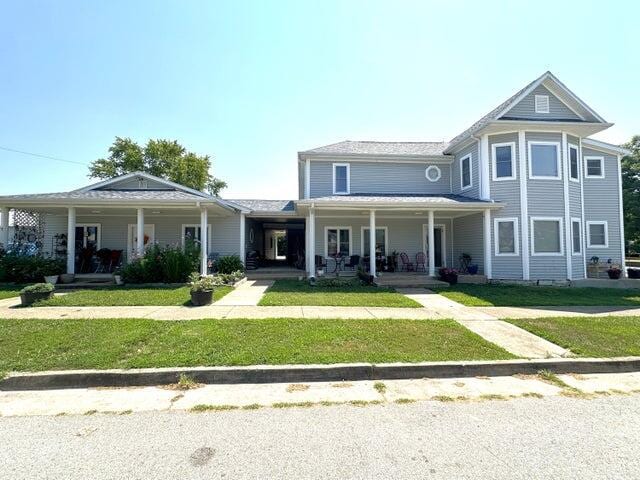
[(4, 227), (204, 241), (432, 241), (486, 235), (140, 233), (242, 237), (372, 243), (311, 271), (71, 240)]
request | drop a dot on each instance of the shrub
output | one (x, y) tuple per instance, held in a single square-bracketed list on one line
[(336, 282), (25, 269), (230, 278), (38, 288), (161, 265), (229, 264)]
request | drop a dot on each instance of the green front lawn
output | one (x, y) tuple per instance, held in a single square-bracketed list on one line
[(35, 345), (8, 290), (588, 336), (532, 296), (127, 297), (294, 292)]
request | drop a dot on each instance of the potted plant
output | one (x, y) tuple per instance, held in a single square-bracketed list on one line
[(472, 269), (201, 290), (614, 272), (51, 269), (448, 275), (117, 276), (35, 293)]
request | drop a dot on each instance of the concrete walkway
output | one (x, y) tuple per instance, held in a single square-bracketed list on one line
[(541, 312), (248, 293)]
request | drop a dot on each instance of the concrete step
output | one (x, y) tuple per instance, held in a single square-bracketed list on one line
[(409, 281)]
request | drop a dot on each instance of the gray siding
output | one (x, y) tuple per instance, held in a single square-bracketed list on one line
[(467, 238), (382, 177), (546, 199), (474, 191), (525, 109), (507, 191), (301, 179), (601, 202)]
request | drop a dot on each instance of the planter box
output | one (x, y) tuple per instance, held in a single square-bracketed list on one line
[(199, 299), (27, 299)]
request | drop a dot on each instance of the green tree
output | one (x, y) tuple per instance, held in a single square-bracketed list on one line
[(631, 191), (163, 158)]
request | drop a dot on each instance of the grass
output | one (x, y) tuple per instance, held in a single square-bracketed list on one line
[(8, 290), (533, 296), (294, 292), (127, 297), (36, 345), (588, 336)]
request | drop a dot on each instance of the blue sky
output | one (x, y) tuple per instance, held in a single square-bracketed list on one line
[(252, 83)]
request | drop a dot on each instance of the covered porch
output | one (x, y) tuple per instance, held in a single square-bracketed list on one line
[(414, 236)]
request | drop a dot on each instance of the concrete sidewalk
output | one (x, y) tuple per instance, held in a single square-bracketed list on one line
[(542, 312), (248, 293)]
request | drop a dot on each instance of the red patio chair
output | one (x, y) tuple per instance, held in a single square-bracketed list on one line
[(421, 259), (407, 265)]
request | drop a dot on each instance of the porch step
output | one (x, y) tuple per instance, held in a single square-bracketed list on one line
[(274, 273), (88, 280), (409, 281)]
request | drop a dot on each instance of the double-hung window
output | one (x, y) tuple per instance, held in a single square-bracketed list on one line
[(504, 165), (341, 178), (576, 236), (337, 241), (574, 164), (544, 160), (192, 234), (594, 167), (381, 241), (597, 234), (546, 236), (506, 236), (466, 179)]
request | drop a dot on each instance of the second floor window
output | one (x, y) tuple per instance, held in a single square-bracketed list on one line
[(504, 161), (341, 178), (595, 167), (574, 165), (544, 160), (465, 172)]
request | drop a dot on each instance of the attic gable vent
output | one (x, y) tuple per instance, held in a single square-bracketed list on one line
[(542, 103), (142, 182)]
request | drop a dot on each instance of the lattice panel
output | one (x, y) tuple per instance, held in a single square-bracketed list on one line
[(29, 228)]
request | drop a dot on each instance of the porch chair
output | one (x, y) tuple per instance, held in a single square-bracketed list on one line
[(104, 258), (354, 261), (407, 265), (421, 260), (115, 260)]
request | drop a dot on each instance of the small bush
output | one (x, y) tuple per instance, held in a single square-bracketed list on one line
[(38, 288), (161, 265), (229, 264), (337, 282), (26, 269)]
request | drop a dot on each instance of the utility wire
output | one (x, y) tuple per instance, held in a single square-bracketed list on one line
[(41, 156)]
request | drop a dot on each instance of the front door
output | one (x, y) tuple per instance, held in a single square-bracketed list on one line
[(439, 240)]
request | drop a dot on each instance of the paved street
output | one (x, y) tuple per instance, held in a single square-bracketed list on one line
[(554, 437)]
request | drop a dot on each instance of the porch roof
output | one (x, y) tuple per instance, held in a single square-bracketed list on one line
[(398, 200)]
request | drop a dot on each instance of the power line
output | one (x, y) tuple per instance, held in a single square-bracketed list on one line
[(41, 156)]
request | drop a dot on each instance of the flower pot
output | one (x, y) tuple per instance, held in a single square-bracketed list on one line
[(27, 299), (199, 299), (614, 274), (633, 272), (67, 278), (472, 269), (118, 279), (52, 279), (451, 278)]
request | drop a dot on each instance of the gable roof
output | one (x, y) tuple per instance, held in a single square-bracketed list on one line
[(553, 84), (373, 148)]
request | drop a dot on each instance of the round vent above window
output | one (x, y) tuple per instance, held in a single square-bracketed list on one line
[(433, 173)]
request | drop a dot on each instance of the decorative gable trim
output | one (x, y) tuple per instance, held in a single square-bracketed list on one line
[(146, 176)]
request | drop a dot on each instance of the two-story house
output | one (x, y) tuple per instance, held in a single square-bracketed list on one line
[(524, 192)]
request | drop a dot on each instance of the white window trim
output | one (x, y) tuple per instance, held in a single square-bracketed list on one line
[(494, 162), (579, 222), (437, 169), (558, 165), (326, 242), (586, 166), (538, 100), (196, 225), (386, 239), (606, 234), (574, 147), (462, 186), (333, 168), (425, 241), (516, 236), (131, 234), (98, 234), (560, 221)]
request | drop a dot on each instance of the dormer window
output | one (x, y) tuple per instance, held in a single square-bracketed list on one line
[(341, 178), (542, 103)]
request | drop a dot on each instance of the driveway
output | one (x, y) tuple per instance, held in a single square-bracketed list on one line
[(555, 437)]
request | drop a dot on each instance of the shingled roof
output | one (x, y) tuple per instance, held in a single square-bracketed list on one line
[(372, 148)]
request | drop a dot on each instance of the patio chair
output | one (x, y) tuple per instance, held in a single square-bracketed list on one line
[(407, 265), (421, 260), (115, 260), (104, 260), (354, 261)]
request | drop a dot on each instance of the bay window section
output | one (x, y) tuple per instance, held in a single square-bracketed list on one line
[(576, 236), (574, 164), (547, 236), (503, 161), (506, 236), (544, 160)]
